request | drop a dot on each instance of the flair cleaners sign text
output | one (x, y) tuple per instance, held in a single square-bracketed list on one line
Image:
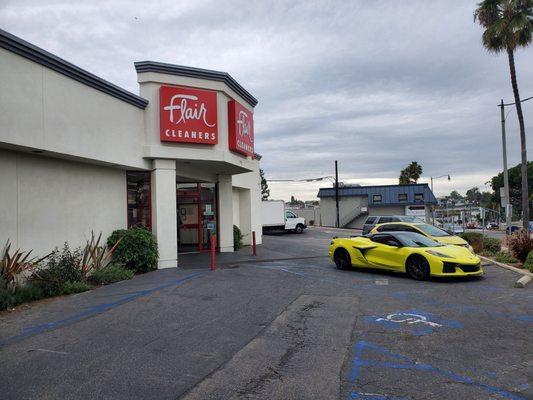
[(188, 115), (241, 129)]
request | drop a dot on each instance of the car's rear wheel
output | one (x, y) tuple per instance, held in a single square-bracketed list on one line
[(418, 268), (299, 228), (342, 259)]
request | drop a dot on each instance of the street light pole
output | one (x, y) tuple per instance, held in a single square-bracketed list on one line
[(337, 194), (505, 172)]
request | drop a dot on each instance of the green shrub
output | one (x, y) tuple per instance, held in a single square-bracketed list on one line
[(474, 239), (492, 245), (529, 262), (520, 245), (21, 294), (38, 290), (28, 292), (137, 249), (113, 273), (237, 238), (15, 264), (61, 267), (6, 298), (505, 258), (74, 287)]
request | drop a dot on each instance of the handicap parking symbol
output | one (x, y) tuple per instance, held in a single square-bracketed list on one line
[(409, 318), (417, 322)]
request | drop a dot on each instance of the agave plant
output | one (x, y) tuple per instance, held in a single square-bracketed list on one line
[(13, 265), (95, 256)]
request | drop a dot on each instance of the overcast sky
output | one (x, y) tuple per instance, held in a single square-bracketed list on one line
[(373, 84)]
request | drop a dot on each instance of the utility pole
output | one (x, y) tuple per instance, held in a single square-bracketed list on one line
[(337, 194), (433, 206), (505, 172)]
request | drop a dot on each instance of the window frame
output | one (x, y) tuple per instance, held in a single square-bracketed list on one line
[(147, 207), (290, 212), (372, 222), (401, 198), (374, 201), (388, 238)]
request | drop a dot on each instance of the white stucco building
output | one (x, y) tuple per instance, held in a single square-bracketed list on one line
[(79, 154)]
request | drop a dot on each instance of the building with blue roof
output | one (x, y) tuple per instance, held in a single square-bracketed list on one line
[(357, 202)]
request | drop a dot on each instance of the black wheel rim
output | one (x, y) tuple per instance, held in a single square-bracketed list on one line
[(341, 261), (418, 269)]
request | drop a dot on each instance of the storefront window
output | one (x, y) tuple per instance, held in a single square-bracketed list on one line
[(139, 199)]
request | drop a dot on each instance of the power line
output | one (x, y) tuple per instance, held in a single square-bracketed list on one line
[(321, 178), (512, 104)]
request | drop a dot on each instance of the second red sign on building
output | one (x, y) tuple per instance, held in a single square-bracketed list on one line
[(241, 129)]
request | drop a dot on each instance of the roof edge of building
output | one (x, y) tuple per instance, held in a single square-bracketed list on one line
[(193, 72), (40, 56), (329, 191)]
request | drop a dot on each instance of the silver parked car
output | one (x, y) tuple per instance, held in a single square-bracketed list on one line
[(373, 220)]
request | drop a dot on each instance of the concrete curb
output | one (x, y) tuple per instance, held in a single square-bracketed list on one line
[(523, 281), (332, 228)]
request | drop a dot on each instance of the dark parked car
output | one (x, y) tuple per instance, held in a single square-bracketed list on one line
[(512, 229), (372, 221)]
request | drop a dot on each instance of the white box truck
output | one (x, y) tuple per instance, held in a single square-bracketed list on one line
[(276, 218)]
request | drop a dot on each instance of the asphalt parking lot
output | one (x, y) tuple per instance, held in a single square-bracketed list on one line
[(283, 325)]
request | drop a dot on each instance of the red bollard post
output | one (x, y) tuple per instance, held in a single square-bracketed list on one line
[(213, 246), (253, 244)]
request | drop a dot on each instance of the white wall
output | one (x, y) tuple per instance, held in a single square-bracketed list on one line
[(43, 109), (45, 202), (236, 208), (348, 205), (252, 182)]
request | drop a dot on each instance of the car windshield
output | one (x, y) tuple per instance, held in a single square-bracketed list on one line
[(432, 230), (411, 239), (409, 218)]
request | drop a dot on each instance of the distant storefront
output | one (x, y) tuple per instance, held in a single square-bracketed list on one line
[(356, 203), (78, 153)]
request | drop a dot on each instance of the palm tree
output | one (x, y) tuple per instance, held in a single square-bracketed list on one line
[(410, 174), (508, 25)]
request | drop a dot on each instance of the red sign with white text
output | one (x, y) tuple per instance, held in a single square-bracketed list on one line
[(188, 115), (241, 129)]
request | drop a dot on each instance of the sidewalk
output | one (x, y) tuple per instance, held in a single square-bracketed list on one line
[(244, 255), (275, 247)]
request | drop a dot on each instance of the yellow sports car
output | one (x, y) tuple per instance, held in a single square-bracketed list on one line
[(432, 232), (408, 252)]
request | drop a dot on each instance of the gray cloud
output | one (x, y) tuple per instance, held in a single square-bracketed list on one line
[(372, 84)]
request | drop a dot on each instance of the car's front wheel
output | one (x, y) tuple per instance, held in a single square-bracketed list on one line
[(418, 268), (342, 259), (299, 228)]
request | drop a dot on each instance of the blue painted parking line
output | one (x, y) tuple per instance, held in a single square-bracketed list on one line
[(93, 310), (399, 361), (372, 396)]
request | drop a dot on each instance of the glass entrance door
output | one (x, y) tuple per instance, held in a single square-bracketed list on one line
[(196, 207)]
